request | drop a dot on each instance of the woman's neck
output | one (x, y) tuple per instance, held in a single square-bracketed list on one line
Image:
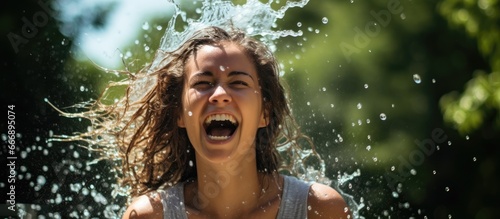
[(226, 190)]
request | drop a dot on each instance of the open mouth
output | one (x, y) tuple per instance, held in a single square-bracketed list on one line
[(220, 127)]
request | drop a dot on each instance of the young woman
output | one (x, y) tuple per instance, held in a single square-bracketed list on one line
[(203, 143)]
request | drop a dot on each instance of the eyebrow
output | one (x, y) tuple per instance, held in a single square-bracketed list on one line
[(233, 73)]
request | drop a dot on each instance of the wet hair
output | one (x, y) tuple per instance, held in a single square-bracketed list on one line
[(140, 130)]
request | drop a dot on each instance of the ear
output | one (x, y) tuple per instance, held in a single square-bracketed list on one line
[(264, 119), (180, 122)]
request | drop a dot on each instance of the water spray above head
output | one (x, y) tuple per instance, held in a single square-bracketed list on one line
[(254, 18)]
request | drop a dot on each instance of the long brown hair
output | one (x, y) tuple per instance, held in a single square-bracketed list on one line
[(140, 130)]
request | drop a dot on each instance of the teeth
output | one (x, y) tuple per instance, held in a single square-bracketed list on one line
[(220, 117), (218, 138)]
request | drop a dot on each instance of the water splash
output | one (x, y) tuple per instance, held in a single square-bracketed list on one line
[(255, 18)]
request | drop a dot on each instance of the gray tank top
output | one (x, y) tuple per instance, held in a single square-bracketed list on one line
[(293, 203)]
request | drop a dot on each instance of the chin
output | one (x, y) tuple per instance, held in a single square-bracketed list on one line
[(217, 156)]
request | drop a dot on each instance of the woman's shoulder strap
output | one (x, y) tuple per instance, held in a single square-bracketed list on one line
[(294, 199), (172, 200)]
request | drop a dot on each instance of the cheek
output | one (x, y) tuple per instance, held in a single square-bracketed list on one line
[(188, 99), (192, 103)]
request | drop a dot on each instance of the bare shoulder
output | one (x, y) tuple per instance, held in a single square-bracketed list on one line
[(145, 206), (326, 202)]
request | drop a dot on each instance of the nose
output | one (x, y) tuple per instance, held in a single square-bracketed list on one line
[(220, 96)]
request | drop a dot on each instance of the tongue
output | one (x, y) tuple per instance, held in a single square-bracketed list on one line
[(220, 131)]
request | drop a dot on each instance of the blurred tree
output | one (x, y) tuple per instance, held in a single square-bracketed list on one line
[(479, 104)]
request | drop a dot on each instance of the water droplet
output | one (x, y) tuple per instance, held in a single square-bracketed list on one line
[(392, 105), (366, 86), (413, 172), (474, 159), (352, 1), (323, 89), (41, 180), (406, 205), (331, 105), (222, 68), (434, 172), (449, 142), (395, 194), (393, 168), (190, 113), (447, 189), (433, 81), (308, 103), (375, 159), (403, 16), (466, 137), (324, 20), (309, 207), (417, 78), (383, 116), (82, 88), (386, 212), (145, 26), (449, 216), (359, 106), (159, 27), (367, 121), (191, 163), (368, 148), (369, 50), (299, 24)]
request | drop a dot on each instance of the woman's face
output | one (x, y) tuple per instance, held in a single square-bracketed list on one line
[(222, 102)]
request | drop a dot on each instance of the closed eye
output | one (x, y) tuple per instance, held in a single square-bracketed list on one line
[(239, 83), (202, 85)]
